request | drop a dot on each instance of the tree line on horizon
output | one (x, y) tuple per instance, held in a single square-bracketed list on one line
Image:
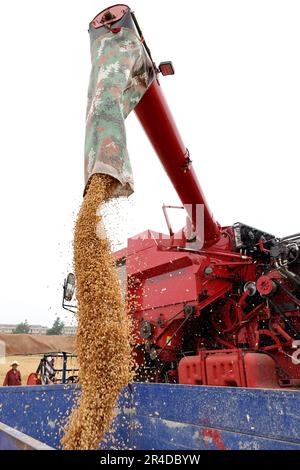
[(56, 328)]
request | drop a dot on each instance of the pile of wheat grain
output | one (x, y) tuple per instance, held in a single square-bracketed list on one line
[(102, 343)]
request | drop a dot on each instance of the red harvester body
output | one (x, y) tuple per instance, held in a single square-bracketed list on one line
[(211, 305)]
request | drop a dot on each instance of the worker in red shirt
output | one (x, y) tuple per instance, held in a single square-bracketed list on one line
[(13, 376)]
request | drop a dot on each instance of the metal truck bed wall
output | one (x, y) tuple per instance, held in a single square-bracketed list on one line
[(11, 439), (163, 416)]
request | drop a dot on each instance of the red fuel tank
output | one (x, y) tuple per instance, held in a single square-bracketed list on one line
[(229, 368)]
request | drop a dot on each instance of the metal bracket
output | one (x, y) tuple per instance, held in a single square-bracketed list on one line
[(188, 162), (164, 208)]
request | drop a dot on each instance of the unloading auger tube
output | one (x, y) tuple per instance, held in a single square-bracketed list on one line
[(156, 118)]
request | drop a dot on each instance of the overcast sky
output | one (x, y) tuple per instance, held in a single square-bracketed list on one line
[(235, 97)]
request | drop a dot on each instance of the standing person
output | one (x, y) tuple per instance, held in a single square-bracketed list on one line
[(13, 376)]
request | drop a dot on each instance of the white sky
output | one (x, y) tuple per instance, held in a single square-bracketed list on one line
[(235, 97)]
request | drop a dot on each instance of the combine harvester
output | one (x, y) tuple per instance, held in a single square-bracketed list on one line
[(218, 322)]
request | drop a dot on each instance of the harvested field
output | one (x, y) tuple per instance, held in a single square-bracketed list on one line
[(29, 364)]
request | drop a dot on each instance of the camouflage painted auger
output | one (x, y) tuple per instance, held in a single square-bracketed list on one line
[(121, 74)]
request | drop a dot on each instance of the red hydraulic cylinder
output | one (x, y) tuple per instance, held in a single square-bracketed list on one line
[(155, 116)]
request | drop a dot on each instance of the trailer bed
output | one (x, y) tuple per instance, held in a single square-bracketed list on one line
[(164, 417)]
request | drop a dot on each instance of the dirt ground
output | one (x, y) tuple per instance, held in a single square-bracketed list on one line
[(28, 364)]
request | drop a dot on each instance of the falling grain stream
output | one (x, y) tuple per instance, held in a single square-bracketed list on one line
[(102, 342)]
